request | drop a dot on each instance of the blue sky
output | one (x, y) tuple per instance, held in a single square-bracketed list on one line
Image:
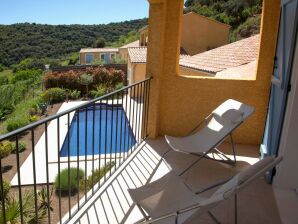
[(71, 11)]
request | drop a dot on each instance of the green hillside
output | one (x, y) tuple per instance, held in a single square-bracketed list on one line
[(20, 41), (242, 15)]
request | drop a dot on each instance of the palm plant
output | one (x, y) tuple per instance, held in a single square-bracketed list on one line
[(13, 209)]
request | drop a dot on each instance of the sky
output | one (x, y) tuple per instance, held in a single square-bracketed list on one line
[(71, 11)]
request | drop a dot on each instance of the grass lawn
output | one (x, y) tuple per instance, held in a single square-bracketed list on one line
[(6, 72)]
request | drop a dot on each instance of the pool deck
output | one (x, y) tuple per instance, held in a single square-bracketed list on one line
[(26, 170)]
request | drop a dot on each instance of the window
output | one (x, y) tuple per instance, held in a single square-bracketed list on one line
[(89, 58), (102, 57), (112, 57)]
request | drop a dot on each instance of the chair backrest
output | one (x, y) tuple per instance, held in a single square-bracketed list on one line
[(245, 177), (233, 111)]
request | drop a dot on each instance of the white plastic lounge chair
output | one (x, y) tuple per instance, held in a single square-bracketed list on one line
[(169, 200), (218, 126)]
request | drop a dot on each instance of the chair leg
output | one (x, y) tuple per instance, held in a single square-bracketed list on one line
[(233, 148), (213, 218), (236, 210)]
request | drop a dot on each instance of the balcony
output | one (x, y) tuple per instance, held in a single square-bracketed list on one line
[(114, 205), (110, 141), (136, 161)]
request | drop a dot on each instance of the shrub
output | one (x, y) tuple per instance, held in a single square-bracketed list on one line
[(16, 122), (119, 85), (1, 68), (72, 185), (54, 95), (6, 188), (75, 80), (3, 80), (20, 116), (34, 118), (97, 175), (74, 94), (5, 148), (12, 209), (22, 147), (100, 91), (31, 75)]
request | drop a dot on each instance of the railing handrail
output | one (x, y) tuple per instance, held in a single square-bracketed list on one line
[(52, 117)]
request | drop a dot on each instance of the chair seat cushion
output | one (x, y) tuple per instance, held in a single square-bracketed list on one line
[(165, 195)]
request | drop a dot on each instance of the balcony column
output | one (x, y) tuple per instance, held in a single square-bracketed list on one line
[(165, 18)]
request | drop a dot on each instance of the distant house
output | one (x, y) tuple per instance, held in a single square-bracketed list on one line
[(106, 55), (123, 51), (232, 61), (199, 34)]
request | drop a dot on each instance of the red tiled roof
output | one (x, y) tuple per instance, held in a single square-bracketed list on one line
[(132, 44), (227, 56), (137, 54)]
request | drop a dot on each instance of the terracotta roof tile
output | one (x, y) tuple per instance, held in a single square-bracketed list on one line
[(137, 54), (227, 56), (132, 44)]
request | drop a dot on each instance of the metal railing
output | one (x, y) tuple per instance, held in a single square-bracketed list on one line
[(95, 137)]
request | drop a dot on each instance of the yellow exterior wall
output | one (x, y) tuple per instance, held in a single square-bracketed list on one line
[(177, 103), (82, 57), (123, 52), (143, 37), (96, 56), (200, 34)]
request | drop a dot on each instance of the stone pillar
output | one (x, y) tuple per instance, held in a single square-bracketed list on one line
[(163, 51)]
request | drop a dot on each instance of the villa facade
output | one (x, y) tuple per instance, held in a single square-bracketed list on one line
[(105, 55)]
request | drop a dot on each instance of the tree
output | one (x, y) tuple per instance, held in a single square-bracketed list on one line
[(99, 43), (86, 80)]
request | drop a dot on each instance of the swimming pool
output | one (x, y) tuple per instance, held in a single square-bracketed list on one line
[(112, 132)]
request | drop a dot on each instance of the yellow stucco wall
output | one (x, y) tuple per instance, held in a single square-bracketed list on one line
[(123, 52), (83, 57), (200, 34), (177, 103), (96, 56)]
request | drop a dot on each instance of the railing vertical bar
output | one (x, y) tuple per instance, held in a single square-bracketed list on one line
[(106, 140), (93, 129), (130, 123), (2, 193), (148, 98), (19, 180), (77, 114), (47, 171), (126, 126), (133, 118), (139, 112), (86, 135), (143, 111), (99, 139), (34, 174), (68, 164), (116, 137), (59, 168), (121, 127), (111, 136)]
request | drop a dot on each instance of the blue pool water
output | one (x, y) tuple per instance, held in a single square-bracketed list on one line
[(108, 133)]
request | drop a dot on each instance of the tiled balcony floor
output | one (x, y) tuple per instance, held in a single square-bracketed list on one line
[(112, 204)]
